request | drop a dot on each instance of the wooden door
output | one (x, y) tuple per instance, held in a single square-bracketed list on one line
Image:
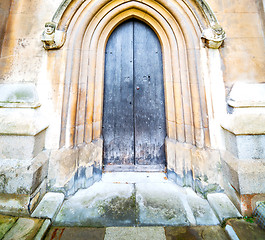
[(134, 111)]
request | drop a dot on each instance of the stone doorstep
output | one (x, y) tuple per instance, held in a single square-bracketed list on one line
[(149, 204)]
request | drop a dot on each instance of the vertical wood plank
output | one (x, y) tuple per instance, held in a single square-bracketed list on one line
[(118, 131), (150, 126)]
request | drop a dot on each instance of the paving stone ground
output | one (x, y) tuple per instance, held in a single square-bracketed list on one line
[(134, 207)]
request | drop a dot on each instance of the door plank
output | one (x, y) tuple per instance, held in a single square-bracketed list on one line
[(118, 131), (150, 127)]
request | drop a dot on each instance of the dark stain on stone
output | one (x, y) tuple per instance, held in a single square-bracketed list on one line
[(70, 233), (195, 233)]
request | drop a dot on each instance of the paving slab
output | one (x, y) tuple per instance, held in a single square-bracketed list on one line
[(160, 205), (6, 222), (103, 204), (49, 205), (196, 233), (24, 229), (201, 209), (74, 233), (135, 233), (222, 206), (134, 177), (246, 230)]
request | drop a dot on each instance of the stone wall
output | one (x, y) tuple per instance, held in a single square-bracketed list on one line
[(24, 60), (243, 53), (4, 13)]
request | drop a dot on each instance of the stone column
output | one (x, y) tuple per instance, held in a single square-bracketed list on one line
[(244, 159), (23, 159)]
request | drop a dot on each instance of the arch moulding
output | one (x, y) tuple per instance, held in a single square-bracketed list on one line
[(81, 34)]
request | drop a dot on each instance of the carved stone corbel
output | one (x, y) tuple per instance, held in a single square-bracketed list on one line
[(52, 38), (214, 36)]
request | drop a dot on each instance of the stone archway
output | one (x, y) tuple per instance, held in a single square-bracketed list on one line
[(84, 29)]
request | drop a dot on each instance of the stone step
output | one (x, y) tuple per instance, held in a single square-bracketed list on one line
[(222, 206), (156, 203), (49, 206), (201, 209), (103, 204)]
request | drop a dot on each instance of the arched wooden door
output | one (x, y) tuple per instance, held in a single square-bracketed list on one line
[(134, 127)]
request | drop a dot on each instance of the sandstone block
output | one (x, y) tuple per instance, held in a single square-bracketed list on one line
[(222, 206), (139, 233), (23, 177), (201, 209)]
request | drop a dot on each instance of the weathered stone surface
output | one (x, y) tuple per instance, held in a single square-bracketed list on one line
[(24, 229), (246, 176), (67, 233), (247, 95), (201, 209), (6, 223), (138, 233), (160, 204), (24, 177), (245, 230), (222, 206), (18, 95), (14, 204), (196, 233), (41, 233), (49, 206), (73, 168), (103, 204), (21, 147), (134, 177)]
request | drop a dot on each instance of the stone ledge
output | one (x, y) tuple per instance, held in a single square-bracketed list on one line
[(49, 206), (18, 95), (26, 122), (247, 109), (247, 95)]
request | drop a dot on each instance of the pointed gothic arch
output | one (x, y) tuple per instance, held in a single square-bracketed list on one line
[(86, 27)]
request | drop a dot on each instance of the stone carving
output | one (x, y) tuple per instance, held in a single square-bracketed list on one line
[(48, 36), (52, 38), (214, 36)]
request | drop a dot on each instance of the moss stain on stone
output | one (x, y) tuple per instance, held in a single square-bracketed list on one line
[(119, 208)]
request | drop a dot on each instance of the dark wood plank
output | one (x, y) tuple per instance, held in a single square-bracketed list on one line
[(150, 126), (118, 130)]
